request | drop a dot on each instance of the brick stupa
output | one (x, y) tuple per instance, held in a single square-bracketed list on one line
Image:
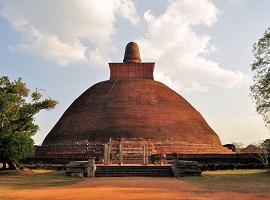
[(134, 110)]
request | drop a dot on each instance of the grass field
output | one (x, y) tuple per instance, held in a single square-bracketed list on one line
[(14, 180), (220, 185), (244, 181), (40, 178)]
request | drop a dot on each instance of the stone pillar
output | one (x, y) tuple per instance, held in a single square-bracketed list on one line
[(105, 149), (91, 168), (107, 152), (121, 158), (145, 154)]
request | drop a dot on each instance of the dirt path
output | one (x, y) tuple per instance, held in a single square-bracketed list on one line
[(130, 188)]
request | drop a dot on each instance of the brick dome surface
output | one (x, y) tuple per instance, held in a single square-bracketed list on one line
[(131, 108)]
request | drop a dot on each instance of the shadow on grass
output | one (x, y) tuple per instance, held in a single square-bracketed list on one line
[(17, 180), (244, 181)]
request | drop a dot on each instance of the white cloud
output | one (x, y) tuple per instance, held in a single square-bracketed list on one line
[(56, 29), (181, 53), (77, 30), (128, 10), (51, 47), (250, 129)]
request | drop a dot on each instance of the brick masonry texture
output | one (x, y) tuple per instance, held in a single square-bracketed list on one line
[(134, 106), (139, 108)]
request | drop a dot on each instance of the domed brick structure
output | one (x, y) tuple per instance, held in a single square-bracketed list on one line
[(133, 109)]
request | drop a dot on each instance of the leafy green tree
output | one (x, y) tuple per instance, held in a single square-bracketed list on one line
[(266, 145), (18, 105), (260, 90), (263, 152)]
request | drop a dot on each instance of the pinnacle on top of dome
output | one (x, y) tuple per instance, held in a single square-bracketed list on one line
[(132, 53)]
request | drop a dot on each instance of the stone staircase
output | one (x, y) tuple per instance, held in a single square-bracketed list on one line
[(133, 170)]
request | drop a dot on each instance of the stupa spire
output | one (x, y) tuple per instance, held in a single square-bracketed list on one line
[(132, 53), (132, 67)]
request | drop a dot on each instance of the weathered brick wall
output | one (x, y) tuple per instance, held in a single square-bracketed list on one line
[(140, 108), (124, 71)]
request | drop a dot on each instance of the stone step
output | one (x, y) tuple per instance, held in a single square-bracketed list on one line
[(120, 171), (133, 174), (108, 168)]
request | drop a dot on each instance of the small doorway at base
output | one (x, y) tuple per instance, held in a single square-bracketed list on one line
[(125, 153)]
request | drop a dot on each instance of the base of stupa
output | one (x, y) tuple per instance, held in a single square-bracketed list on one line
[(127, 150)]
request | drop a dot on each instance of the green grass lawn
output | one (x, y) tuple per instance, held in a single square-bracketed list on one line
[(38, 178), (244, 181)]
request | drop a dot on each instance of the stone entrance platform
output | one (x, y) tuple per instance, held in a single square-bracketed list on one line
[(178, 168)]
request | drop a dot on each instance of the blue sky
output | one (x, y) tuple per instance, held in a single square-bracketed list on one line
[(202, 50)]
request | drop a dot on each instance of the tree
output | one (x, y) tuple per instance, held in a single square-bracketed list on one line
[(17, 109), (263, 152), (260, 90), (266, 144)]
